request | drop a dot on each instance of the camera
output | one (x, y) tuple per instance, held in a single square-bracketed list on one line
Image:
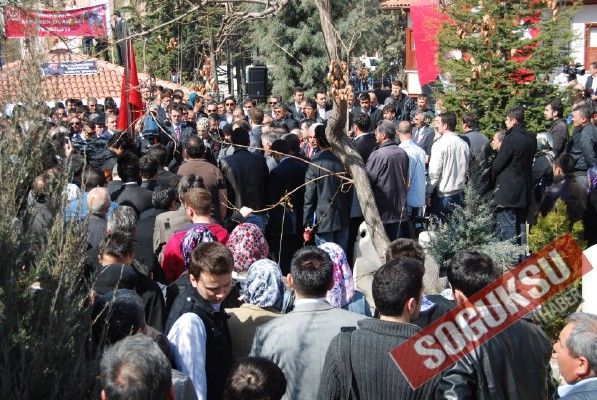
[(573, 70)]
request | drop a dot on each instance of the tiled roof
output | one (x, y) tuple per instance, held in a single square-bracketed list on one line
[(394, 4), (107, 81)]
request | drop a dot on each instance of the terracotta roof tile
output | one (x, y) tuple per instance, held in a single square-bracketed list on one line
[(107, 81)]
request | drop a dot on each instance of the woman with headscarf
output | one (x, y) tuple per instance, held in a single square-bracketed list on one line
[(247, 244), (343, 294), (262, 292)]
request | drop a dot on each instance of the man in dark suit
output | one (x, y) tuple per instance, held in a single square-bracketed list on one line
[(591, 83), (327, 206), (246, 174), (256, 121), (375, 114), (130, 193), (511, 171), (149, 169), (283, 119), (296, 109), (324, 110), (163, 177), (423, 135), (284, 227), (179, 131)]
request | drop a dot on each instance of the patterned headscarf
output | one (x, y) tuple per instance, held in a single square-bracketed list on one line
[(343, 290), (247, 244), (194, 236), (203, 123), (592, 177), (263, 285)]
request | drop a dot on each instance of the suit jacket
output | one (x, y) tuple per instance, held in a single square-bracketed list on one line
[(144, 244), (365, 145), (297, 342), (297, 115), (150, 184), (512, 169), (164, 178), (96, 229), (287, 176), (247, 175), (324, 197), (166, 224), (424, 138), (131, 194), (289, 122), (255, 137), (375, 114)]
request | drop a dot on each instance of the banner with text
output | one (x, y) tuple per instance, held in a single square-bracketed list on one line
[(88, 21), (69, 68)]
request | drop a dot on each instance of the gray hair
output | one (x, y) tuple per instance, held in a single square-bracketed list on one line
[(98, 201), (269, 137), (387, 128), (135, 369), (123, 220), (500, 135), (187, 183), (404, 127), (582, 341)]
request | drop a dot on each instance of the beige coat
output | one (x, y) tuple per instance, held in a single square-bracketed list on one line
[(243, 323)]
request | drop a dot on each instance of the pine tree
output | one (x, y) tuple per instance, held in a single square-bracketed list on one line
[(471, 227), (292, 44), (492, 60)]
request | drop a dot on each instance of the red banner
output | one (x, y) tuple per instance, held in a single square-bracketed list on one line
[(88, 21)]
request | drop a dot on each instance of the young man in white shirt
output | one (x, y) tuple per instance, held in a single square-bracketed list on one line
[(197, 325)]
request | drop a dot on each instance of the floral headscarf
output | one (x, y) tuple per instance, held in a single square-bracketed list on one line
[(343, 290), (194, 236), (263, 285), (247, 244), (203, 123)]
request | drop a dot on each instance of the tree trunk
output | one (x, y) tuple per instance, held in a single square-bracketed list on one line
[(340, 143)]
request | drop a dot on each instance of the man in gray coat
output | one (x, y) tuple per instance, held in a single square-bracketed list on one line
[(297, 342)]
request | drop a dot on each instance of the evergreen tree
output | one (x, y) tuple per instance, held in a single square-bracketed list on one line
[(471, 227), (292, 44), (497, 54)]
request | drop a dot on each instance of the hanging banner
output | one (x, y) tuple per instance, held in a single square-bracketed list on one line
[(88, 21), (69, 68)]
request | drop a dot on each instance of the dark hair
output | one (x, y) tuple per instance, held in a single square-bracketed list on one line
[(320, 136), (121, 140), (160, 153), (362, 121), (471, 271), (557, 106), (194, 147), (585, 112), (298, 89), (148, 166), (162, 197), (311, 270), (311, 103), (255, 378), (471, 119), (280, 146), (116, 315), (389, 108), (294, 143), (212, 258), (395, 283), (240, 137), (189, 182), (135, 368), (256, 115), (128, 167), (397, 83), (93, 177), (117, 244), (251, 101), (565, 162), (199, 200), (401, 248), (230, 98), (364, 96), (517, 113), (448, 118)]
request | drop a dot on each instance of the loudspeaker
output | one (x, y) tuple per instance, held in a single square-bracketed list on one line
[(257, 82)]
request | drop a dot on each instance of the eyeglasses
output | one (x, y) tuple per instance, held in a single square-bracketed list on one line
[(212, 110)]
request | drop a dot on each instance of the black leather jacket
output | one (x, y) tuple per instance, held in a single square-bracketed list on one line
[(513, 365)]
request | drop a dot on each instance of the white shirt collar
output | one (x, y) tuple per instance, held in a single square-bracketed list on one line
[(310, 301)]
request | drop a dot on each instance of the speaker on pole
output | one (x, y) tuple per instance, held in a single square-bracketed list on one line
[(257, 82)]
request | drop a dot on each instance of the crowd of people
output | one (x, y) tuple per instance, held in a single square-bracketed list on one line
[(221, 236)]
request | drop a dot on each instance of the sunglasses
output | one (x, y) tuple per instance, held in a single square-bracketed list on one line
[(212, 110), (229, 104)]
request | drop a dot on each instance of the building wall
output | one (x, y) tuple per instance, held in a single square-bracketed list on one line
[(587, 14)]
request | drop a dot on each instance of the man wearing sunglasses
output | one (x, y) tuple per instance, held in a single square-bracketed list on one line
[(273, 102)]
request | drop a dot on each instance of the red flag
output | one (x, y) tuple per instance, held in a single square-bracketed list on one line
[(130, 92)]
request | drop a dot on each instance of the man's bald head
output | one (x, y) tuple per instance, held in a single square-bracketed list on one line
[(98, 201), (404, 130)]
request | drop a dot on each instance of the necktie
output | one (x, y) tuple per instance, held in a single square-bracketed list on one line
[(177, 131)]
